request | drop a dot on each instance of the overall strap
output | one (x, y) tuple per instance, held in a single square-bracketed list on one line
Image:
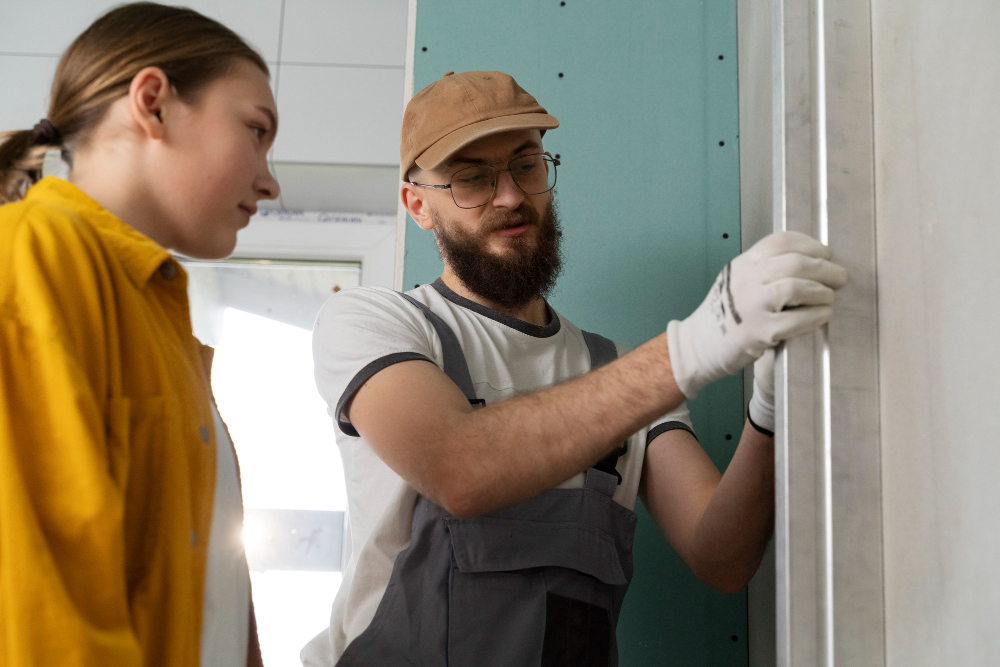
[(602, 350), (455, 366), (604, 476)]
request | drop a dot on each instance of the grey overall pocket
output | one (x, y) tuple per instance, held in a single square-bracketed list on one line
[(529, 592)]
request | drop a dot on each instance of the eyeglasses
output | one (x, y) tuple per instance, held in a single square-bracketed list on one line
[(473, 187)]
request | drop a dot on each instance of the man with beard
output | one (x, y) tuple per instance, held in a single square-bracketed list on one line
[(493, 451)]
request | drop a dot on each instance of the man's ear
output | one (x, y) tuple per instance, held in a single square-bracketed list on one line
[(148, 94), (417, 205)]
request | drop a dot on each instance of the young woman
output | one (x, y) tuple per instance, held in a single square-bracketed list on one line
[(120, 509)]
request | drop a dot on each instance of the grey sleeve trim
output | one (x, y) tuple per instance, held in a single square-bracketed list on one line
[(660, 429), (363, 376)]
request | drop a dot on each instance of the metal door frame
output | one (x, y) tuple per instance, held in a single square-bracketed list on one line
[(828, 532)]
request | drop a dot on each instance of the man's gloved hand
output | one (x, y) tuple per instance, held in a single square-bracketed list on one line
[(745, 311), (761, 409)]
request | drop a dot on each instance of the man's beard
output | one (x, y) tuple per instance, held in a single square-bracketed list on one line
[(527, 270)]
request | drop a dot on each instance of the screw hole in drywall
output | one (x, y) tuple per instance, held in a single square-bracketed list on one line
[(722, 143), (721, 57), (416, 286), (560, 75), (729, 436), (725, 236), (562, 4), (734, 638), (424, 49), (558, 157)]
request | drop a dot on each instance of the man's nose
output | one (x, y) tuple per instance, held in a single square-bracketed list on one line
[(508, 195)]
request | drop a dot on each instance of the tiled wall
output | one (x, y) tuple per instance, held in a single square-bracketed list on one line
[(337, 67)]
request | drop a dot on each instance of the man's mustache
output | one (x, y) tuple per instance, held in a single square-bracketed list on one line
[(522, 215)]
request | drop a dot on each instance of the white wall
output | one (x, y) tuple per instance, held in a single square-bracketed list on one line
[(937, 146)]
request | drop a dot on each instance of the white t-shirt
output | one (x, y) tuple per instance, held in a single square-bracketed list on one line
[(361, 331), (225, 625)]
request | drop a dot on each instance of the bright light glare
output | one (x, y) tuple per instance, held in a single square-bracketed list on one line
[(291, 608), (253, 536), (263, 382)]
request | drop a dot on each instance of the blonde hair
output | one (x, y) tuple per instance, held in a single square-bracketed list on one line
[(97, 69)]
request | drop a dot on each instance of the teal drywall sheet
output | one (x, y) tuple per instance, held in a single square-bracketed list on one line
[(648, 194)]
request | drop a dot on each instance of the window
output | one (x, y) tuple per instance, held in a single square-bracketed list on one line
[(258, 315)]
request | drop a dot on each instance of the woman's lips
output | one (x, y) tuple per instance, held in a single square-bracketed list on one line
[(248, 211)]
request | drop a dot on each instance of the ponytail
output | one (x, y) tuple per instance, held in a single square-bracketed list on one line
[(21, 157), (97, 69)]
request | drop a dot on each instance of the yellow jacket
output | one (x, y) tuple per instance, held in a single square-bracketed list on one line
[(107, 445)]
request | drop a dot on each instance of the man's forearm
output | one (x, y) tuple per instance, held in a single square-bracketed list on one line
[(737, 523), (517, 448)]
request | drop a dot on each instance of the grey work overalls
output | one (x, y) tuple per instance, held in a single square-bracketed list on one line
[(537, 584)]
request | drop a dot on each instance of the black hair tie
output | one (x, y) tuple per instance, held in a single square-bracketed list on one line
[(47, 133)]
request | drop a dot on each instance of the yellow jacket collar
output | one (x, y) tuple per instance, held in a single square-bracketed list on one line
[(140, 255)]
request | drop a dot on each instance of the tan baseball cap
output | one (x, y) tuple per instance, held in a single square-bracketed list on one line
[(461, 108)]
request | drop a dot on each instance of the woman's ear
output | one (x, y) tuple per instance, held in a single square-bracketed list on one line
[(413, 200), (148, 94)]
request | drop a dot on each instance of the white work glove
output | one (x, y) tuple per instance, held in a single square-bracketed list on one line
[(745, 311), (761, 409)]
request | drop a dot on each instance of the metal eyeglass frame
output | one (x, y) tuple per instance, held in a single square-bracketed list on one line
[(555, 163)]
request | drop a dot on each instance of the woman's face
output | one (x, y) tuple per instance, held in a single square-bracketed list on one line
[(213, 163)]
